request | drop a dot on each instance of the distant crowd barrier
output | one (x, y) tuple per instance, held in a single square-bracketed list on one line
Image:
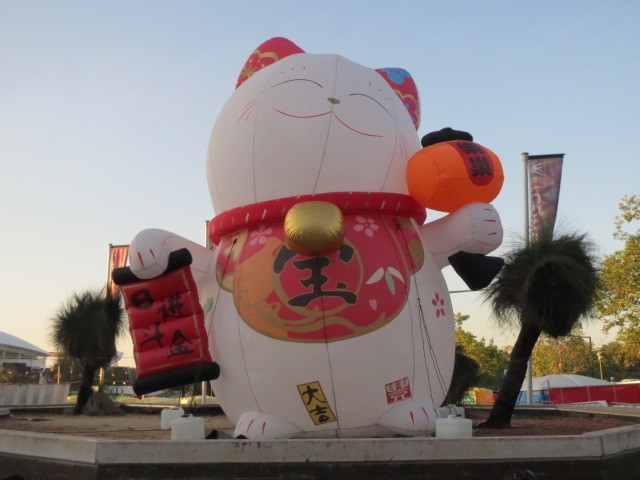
[(33, 394), (612, 394)]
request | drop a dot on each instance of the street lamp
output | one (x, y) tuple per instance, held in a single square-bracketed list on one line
[(599, 353), (590, 353)]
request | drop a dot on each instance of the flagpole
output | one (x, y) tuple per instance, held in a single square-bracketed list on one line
[(108, 270), (527, 239), (203, 384), (525, 163)]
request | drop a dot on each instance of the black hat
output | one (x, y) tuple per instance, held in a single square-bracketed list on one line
[(445, 135)]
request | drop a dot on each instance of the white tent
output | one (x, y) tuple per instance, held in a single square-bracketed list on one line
[(561, 381), (540, 386)]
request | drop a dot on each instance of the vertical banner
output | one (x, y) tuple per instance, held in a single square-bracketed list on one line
[(545, 173), (166, 322), (117, 259)]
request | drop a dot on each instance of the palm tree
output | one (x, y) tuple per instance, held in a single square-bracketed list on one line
[(547, 286), (85, 328)]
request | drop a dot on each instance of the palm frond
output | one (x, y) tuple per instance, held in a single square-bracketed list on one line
[(563, 286), (86, 326), (551, 282)]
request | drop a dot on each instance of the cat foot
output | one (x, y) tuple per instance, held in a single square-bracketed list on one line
[(410, 418), (259, 426)]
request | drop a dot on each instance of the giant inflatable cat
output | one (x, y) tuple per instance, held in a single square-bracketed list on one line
[(320, 309)]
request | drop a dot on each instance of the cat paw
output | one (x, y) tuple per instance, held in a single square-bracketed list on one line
[(487, 227), (260, 426), (410, 418), (148, 253)]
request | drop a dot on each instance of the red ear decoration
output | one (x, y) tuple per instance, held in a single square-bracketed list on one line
[(267, 53), (402, 83)]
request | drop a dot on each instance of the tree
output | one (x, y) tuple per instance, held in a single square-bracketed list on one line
[(571, 354), (85, 329), (465, 375), (546, 285), (18, 373), (491, 360), (629, 212), (618, 301), (620, 358), (67, 369)]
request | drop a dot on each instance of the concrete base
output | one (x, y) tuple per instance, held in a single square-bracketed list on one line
[(606, 454)]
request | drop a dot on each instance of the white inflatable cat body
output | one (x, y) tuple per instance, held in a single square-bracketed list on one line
[(353, 340)]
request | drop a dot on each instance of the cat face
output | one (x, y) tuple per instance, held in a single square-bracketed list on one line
[(309, 124)]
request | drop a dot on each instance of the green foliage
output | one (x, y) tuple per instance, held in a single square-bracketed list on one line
[(491, 360), (69, 369), (14, 374), (618, 303), (629, 213), (571, 354), (619, 295), (119, 375), (620, 359), (627, 353)]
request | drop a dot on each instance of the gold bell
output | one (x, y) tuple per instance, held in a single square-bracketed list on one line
[(314, 228)]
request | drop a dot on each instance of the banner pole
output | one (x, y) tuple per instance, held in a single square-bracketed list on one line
[(527, 239), (109, 270), (203, 384), (525, 163)]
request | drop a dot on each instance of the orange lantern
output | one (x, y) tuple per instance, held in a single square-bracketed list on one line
[(446, 175)]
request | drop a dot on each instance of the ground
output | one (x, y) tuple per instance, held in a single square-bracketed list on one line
[(126, 426), (550, 423), (147, 425)]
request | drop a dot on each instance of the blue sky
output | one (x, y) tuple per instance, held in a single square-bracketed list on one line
[(106, 110)]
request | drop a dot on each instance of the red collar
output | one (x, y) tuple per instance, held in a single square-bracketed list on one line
[(350, 203)]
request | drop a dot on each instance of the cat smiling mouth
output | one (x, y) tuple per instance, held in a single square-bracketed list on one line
[(329, 113)]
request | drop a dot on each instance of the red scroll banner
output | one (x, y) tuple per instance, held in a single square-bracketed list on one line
[(166, 323), (545, 172)]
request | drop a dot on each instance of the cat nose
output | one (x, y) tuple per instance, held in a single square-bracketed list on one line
[(334, 101)]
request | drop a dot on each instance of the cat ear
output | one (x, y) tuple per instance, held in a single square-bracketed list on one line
[(402, 83), (267, 53)]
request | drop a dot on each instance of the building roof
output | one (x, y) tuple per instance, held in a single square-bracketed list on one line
[(9, 343), (561, 381)]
